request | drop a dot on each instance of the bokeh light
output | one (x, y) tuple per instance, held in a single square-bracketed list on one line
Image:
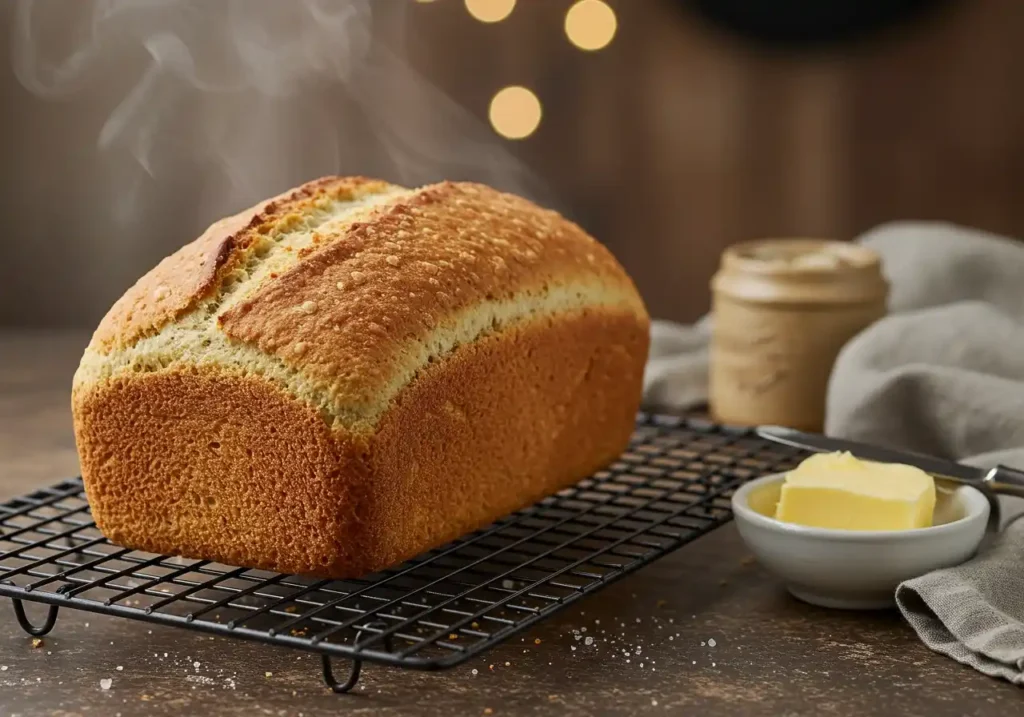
[(590, 24), (515, 112), (490, 10)]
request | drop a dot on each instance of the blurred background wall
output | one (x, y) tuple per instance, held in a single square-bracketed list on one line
[(679, 137)]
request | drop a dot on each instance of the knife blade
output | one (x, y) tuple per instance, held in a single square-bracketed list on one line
[(937, 467)]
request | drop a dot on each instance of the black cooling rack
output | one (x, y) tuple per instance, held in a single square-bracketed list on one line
[(436, 611)]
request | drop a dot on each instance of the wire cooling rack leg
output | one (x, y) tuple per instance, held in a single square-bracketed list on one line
[(357, 665), (336, 687), (51, 615), (51, 619)]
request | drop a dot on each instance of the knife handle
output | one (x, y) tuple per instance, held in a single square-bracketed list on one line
[(1004, 480)]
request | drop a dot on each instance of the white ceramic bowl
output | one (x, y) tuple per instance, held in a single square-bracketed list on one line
[(856, 569)]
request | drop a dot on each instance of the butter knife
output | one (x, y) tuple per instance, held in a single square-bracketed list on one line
[(1001, 480)]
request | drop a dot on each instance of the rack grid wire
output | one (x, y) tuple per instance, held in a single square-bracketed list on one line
[(436, 611)]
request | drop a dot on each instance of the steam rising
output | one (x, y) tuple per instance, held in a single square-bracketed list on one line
[(250, 97)]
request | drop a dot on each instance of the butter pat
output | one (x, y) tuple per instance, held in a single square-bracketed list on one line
[(837, 490)]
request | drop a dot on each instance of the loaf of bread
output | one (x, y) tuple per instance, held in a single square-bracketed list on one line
[(352, 373)]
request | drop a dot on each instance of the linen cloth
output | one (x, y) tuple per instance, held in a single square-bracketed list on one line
[(942, 374)]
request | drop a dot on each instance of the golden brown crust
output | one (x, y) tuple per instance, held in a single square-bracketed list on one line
[(227, 468), (193, 272), (395, 371), (348, 315), (501, 424), (220, 467)]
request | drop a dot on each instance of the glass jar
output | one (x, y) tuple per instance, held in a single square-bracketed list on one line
[(781, 311)]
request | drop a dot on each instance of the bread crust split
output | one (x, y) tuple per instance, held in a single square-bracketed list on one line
[(352, 373)]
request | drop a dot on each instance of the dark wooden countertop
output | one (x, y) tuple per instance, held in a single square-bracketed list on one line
[(771, 654)]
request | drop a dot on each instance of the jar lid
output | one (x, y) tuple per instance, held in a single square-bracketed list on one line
[(801, 271)]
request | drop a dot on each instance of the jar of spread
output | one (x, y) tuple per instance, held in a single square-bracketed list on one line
[(782, 309)]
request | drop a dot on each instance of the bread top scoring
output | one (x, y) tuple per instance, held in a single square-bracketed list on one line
[(343, 289)]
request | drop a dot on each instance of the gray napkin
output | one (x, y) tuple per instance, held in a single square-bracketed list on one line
[(972, 612), (943, 374)]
